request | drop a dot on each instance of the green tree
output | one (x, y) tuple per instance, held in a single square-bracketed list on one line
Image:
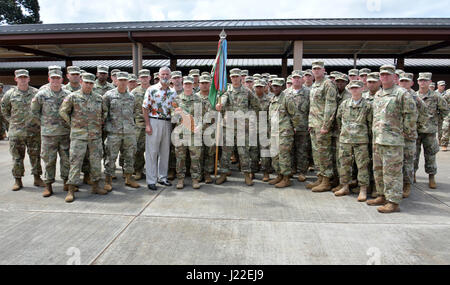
[(19, 12)]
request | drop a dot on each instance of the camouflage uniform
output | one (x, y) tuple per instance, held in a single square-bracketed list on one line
[(55, 132), (441, 119), (237, 99), (300, 153), (446, 123), (208, 152), (23, 132), (285, 108), (121, 130), (101, 90), (139, 160), (70, 88), (355, 124), (3, 122), (436, 105), (323, 106), (85, 114), (393, 119), (336, 132), (188, 103)]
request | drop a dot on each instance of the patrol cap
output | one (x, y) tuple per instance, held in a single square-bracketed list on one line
[(132, 77), (259, 83), (122, 75), (399, 72), (188, 79), (257, 76), (176, 74), (387, 68), (318, 63), (82, 71), (272, 76), (235, 72), (277, 82), (442, 82), (88, 77), (407, 76), (364, 71), (297, 73), (114, 72), (156, 75), (432, 84), (249, 78), (21, 72), (355, 83), (341, 76), (144, 73), (206, 73), (265, 74), (73, 70), (55, 73), (244, 72), (53, 67), (307, 72), (102, 69), (373, 76), (194, 72), (289, 79), (205, 78), (353, 72), (424, 76), (334, 74)]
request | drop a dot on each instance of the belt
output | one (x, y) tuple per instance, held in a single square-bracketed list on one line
[(158, 118)]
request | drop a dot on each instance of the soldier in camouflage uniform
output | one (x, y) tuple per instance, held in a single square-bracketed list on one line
[(54, 130), (283, 111), (118, 104), (257, 151), (409, 151), (50, 69), (139, 93), (83, 110), (322, 113), (195, 73), (441, 92), (24, 133), (188, 126), (363, 74), (73, 75), (393, 119), (236, 98), (3, 126), (177, 79), (446, 124), (427, 131), (300, 95), (354, 118)]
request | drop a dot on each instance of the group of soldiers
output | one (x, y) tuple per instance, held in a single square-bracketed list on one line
[(362, 131)]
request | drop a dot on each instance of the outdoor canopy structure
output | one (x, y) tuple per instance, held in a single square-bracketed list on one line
[(247, 39)]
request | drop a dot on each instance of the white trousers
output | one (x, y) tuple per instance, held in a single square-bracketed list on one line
[(157, 149)]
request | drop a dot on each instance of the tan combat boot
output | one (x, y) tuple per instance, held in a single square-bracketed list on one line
[(266, 177), (70, 194), (48, 190), (343, 191), (208, 179), (444, 148), (96, 190), (285, 182), (324, 186), (195, 184), (315, 183), (301, 177), (431, 181), (130, 182), (138, 176), (248, 179), (222, 179), (374, 193), (87, 179), (337, 188), (362, 197), (171, 174), (108, 183), (389, 208), (180, 183), (252, 175), (66, 186), (353, 184), (18, 185), (38, 181), (406, 190), (380, 200), (276, 180)]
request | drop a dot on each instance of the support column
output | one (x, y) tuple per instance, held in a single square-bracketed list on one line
[(298, 55), (173, 64), (284, 72), (137, 57), (355, 59), (69, 62), (400, 63)]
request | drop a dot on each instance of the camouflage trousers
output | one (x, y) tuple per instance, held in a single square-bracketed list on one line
[(260, 158), (50, 148), (243, 151), (440, 129), (360, 153), (409, 154), (300, 152), (17, 147), (78, 150), (116, 142), (172, 157), (282, 161), (430, 148), (388, 166), (208, 159), (139, 159), (335, 155), (323, 152), (195, 154), (445, 133)]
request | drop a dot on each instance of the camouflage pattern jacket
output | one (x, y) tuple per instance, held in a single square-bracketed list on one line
[(355, 121), (119, 109), (301, 99), (436, 105), (289, 117), (323, 105)]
